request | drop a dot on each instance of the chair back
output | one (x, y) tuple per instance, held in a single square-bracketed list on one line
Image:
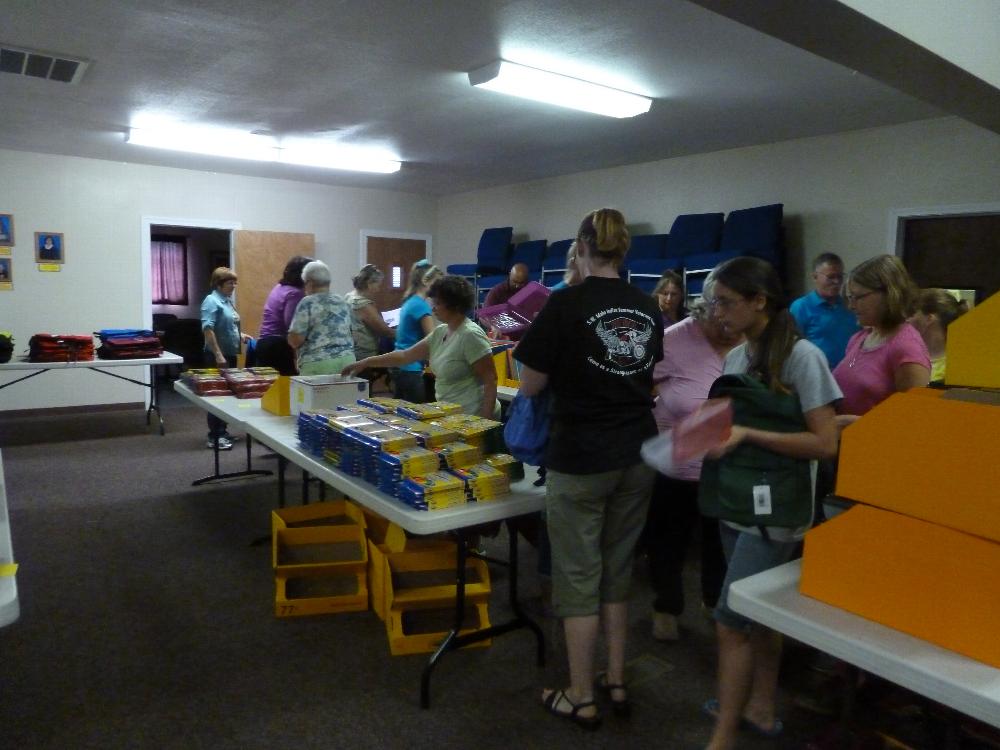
[(647, 246), (696, 233), (754, 231), (531, 253), (493, 255)]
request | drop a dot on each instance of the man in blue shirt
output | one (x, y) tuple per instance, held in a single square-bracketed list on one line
[(822, 315)]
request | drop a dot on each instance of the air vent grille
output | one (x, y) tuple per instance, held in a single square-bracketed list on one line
[(49, 65)]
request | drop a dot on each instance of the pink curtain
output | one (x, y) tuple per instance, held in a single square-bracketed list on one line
[(169, 272)]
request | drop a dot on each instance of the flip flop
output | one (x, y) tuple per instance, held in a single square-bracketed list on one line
[(711, 708), (552, 701)]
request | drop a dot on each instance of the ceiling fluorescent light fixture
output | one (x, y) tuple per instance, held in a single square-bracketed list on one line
[(237, 144), (553, 88), (336, 156), (211, 141)]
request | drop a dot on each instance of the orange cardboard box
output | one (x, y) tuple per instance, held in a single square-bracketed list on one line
[(973, 347), (928, 581), (930, 458)]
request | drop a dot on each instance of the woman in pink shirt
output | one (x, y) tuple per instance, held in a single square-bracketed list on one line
[(887, 355), (693, 352)]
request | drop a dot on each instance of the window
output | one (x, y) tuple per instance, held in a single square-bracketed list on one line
[(169, 257)]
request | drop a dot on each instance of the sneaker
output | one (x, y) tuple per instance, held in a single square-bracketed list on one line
[(665, 627), (224, 444), (231, 438)]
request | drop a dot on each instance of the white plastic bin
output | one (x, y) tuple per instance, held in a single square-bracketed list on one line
[(309, 392)]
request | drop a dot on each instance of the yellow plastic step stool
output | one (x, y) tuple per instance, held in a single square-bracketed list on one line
[(320, 569), (330, 512), (403, 603)]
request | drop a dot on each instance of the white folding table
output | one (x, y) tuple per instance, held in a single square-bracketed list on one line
[(525, 498), (102, 366), (772, 598), (10, 610), (236, 412)]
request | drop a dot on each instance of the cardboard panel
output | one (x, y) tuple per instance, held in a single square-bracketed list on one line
[(930, 458), (973, 347), (925, 580)]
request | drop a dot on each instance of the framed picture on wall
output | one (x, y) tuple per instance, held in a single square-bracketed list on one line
[(6, 272), (49, 247), (6, 230)]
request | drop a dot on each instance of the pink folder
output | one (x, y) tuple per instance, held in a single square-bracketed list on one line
[(701, 431), (512, 318)]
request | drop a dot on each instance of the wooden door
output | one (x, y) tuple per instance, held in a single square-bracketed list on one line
[(388, 253), (955, 252), (259, 260)]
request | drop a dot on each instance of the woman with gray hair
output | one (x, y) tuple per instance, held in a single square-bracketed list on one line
[(693, 353), (320, 331), (367, 325)]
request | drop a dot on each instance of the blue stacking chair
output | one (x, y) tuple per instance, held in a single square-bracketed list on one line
[(693, 236), (529, 252), (757, 232), (492, 256), (647, 259), (749, 231), (554, 262)]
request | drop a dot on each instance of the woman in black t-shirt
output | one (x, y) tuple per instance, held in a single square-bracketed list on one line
[(594, 345)]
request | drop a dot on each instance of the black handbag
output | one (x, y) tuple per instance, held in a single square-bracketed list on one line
[(6, 348)]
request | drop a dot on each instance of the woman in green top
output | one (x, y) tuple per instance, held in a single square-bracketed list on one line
[(459, 352)]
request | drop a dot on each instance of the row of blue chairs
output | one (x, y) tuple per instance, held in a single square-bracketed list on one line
[(497, 255), (695, 244)]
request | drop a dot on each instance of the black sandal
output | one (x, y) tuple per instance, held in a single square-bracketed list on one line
[(622, 708), (552, 701)]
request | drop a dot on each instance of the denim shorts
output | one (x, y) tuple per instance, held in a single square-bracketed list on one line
[(747, 555)]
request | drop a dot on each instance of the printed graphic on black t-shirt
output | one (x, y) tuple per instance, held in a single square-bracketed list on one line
[(624, 335), (598, 343)]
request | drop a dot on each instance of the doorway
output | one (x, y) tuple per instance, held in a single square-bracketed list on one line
[(952, 249), (394, 254), (205, 242)]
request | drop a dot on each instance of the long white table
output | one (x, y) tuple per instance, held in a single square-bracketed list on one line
[(10, 610), (102, 366), (772, 598), (236, 412), (279, 434)]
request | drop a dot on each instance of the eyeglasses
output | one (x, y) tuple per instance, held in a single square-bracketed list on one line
[(852, 298), (831, 276), (721, 302)]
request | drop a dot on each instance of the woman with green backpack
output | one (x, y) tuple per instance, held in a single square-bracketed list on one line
[(783, 418)]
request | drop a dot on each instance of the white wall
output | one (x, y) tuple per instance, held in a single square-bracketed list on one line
[(838, 190), (98, 205), (966, 33)]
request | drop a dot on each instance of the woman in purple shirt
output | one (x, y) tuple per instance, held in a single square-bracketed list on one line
[(272, 346)]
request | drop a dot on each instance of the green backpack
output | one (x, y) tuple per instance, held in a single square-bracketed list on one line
[(752, 486)]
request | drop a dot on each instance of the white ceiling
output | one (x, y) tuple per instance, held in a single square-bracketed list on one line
[(393, 72)]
